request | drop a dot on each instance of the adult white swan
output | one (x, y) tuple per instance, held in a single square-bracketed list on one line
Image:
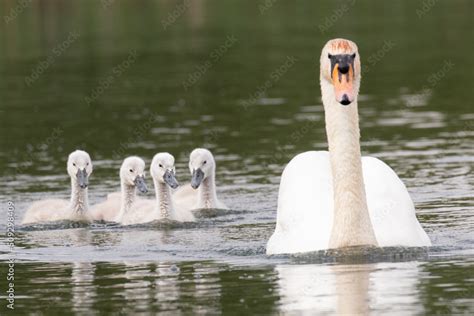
[(336, 199), (79, 168), (201, 192)]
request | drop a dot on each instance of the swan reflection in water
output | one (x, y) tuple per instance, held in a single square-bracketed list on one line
[(83, 288), (348, 289)]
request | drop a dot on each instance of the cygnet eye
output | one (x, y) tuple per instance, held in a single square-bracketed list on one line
[(131, 170), (74, 164), (205, 162), (160, 165), (87, 163)]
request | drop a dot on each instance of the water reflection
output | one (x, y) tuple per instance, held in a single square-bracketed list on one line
[(207, 290), (348, 289), (138, 289), (83, 287), (210, 287)]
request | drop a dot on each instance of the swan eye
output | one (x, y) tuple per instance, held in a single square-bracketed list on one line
[(205, 161), (87, 164), (131, 170), (74, 164), (329, 56), (353, 55), (160, 165)]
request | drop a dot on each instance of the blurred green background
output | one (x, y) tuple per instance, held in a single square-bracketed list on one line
[(170, 50)]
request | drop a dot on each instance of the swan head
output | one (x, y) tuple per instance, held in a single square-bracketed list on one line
[(132, 173), (79, 167), (201, 165), (162, 169), (340, 69)]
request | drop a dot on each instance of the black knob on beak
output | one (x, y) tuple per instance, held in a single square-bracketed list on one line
[(345, 100), (343, 69)]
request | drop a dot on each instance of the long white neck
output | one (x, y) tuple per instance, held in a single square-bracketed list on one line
[(127, 199), (351, 224), (207, 193), (79, 199), (164, 204)]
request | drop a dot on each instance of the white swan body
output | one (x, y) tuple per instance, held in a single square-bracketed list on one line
[(201, 192), (109, 209), (120, 206), (79, 167), (162, 170), (305, 204), (336, 199)]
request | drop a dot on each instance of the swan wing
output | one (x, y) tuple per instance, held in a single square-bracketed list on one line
[(185, 198), (391, 208), (147, 210), (114, 195), (182, 214), (107, 210), (305, 204), (46, 210), (143, 211)]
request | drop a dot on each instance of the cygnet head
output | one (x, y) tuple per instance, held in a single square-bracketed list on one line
[(162, 169), (201, 165), (79, 167), (340, 68), (132, 173)]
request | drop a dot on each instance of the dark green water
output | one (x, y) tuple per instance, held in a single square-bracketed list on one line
[(120, 78)]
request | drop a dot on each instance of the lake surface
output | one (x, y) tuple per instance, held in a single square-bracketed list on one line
[(240, 78)]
